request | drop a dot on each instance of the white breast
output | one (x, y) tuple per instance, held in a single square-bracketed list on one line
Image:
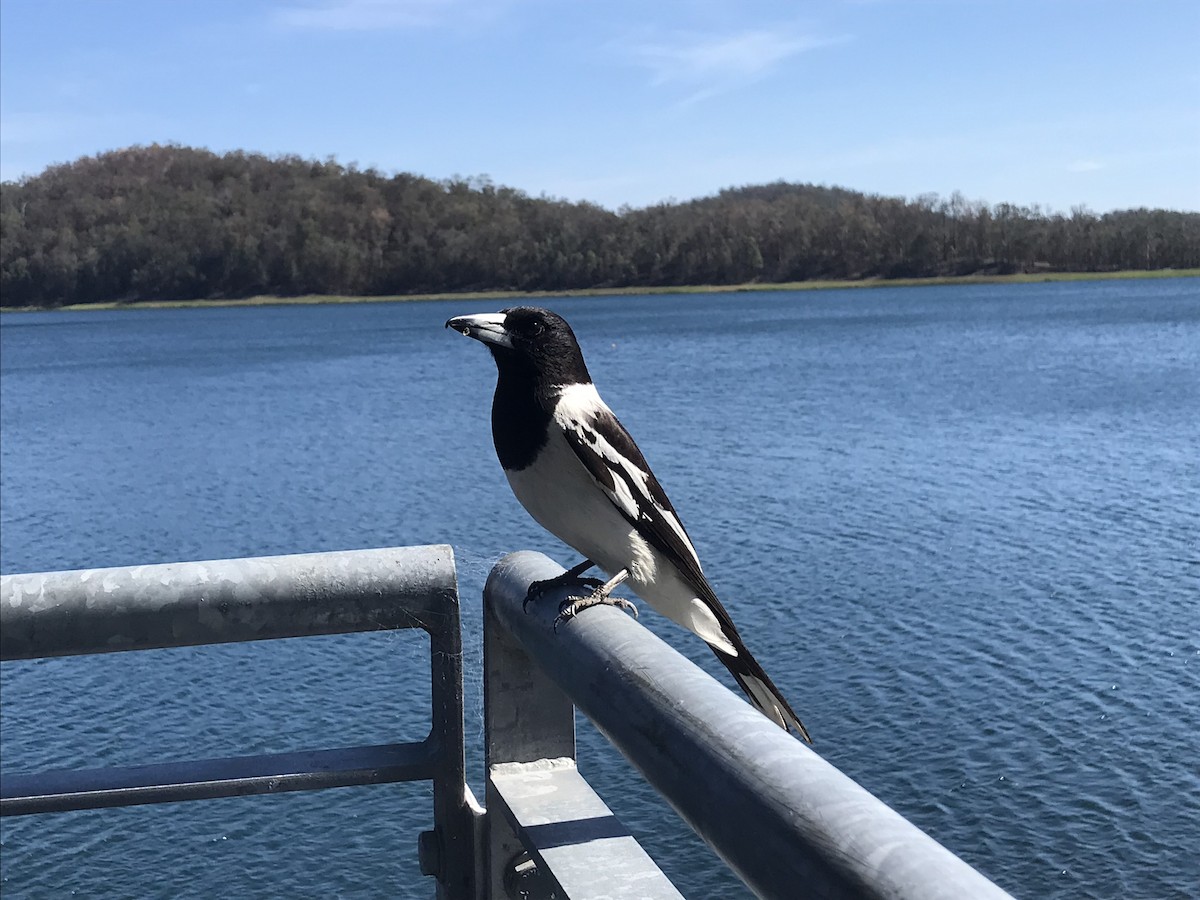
[(563, 498), (561, 495)]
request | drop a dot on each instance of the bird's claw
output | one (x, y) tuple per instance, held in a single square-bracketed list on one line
[(540, 587), (573, 606)]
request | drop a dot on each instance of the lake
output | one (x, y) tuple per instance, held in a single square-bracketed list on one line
[(958, 525)]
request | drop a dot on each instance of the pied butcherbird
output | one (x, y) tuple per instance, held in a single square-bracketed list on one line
[(579, 473)]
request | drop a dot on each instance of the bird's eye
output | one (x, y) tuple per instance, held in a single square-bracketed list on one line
[(538, 328)]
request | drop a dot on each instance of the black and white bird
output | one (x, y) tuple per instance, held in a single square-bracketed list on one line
[(579, 473)]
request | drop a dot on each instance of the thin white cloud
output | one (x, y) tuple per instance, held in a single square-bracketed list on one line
[(1085, 165), (363, 15), (698, 59)]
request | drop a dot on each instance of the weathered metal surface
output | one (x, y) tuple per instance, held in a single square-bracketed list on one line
[(221, 601), (787, 822), (580, 848), (207, 779), (527, 718), (455, 812)]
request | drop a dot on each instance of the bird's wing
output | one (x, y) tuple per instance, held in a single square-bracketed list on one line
[(609, 453)]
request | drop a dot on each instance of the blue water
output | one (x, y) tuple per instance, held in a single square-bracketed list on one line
[(960, 526)]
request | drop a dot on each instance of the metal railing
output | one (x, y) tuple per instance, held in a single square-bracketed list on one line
[(187, 604), (787, 822)]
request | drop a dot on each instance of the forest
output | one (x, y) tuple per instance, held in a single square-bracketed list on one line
[(171, 222)]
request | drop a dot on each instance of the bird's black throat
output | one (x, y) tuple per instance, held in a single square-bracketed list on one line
[(542, 358), (521, 411)]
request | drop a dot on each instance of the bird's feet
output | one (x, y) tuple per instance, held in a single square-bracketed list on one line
[(573, 606), (570, 578)]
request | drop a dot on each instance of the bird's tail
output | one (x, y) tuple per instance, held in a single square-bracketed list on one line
[(760, 689)]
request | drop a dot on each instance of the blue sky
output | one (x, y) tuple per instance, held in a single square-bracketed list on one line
[(1055, 102)]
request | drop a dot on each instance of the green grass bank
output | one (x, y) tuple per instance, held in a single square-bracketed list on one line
[(311, 299)]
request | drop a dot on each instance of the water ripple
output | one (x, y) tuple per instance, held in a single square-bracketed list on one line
[(960, 528)]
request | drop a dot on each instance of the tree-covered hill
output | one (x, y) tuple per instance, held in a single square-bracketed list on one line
[(169, 222)]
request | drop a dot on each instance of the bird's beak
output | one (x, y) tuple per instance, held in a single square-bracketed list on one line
[(488, 328)]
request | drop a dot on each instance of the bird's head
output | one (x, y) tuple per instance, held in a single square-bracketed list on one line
[(528, 338)]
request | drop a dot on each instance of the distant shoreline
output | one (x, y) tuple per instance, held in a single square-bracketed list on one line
[(753, 287)]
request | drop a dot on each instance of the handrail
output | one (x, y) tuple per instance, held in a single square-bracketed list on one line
[(221, 601), (786, 821)]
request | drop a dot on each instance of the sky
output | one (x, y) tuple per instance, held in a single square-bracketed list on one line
[(1060, 103)]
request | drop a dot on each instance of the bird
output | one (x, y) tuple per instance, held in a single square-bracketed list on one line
[(580, 475)]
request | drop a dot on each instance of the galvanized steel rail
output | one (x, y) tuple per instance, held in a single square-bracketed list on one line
[(184, 604), (787, 822), (547, 832)]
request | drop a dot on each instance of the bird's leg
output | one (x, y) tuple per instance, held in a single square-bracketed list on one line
[(573, 607), (570, 577)]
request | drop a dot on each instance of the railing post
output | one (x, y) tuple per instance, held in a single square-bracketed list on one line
[(527, 718), (449, 851), (549, 833)]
